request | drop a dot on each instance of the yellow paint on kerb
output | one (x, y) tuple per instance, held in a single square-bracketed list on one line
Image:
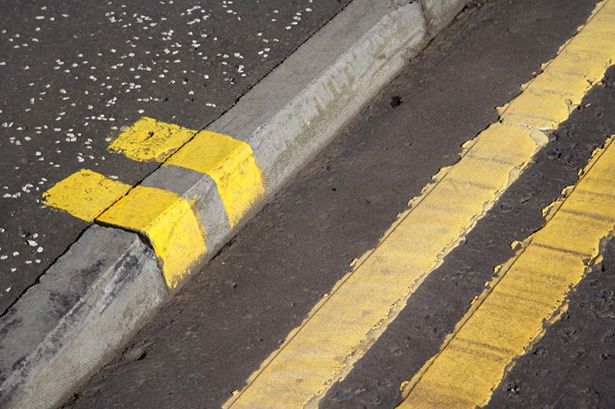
[(149, 139), (85, 194), (170, 224), (529, 290), (338, 331), (168, 220), (230, 163)]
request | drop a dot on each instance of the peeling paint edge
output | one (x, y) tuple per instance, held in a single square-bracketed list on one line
[(501, 270)]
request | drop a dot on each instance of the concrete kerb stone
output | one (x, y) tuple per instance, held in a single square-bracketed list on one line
[(310, 98), (101, 291), (89, 302), (439, 13)]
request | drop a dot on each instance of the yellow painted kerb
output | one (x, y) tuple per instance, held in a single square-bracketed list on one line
[(168, 221), (230, 163)]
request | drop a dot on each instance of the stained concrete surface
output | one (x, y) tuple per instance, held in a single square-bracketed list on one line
[(206, 341), (75, 72)]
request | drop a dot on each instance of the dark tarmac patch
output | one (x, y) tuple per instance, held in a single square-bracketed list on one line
[(396, 101)]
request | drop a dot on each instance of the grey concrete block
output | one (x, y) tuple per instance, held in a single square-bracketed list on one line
[(439, 13), (86, 305)]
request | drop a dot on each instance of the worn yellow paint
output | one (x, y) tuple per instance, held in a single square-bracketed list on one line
[(337, 332), (85, 194), (550, 97), (230, 163), (149, 139), (341, 327), (528, 290), (168, 221)]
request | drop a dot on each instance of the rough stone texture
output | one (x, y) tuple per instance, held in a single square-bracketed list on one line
[(439, 13), (89, 302)]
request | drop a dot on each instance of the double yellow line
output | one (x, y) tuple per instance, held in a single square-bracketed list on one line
[(528, 291), (344, 325)]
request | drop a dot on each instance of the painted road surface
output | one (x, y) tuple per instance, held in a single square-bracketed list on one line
[(341, 294), (528, 291), (76, 73)]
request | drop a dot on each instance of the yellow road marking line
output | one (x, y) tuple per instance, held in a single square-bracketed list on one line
[(549, 98), (345, 324), (529, 290), (85, 194), (230, 163), (168, 221), (149, 139)]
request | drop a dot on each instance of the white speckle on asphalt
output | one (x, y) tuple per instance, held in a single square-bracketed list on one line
[(75, 74)]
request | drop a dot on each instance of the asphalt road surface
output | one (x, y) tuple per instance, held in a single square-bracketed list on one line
[(75, 72), (204, 345)]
